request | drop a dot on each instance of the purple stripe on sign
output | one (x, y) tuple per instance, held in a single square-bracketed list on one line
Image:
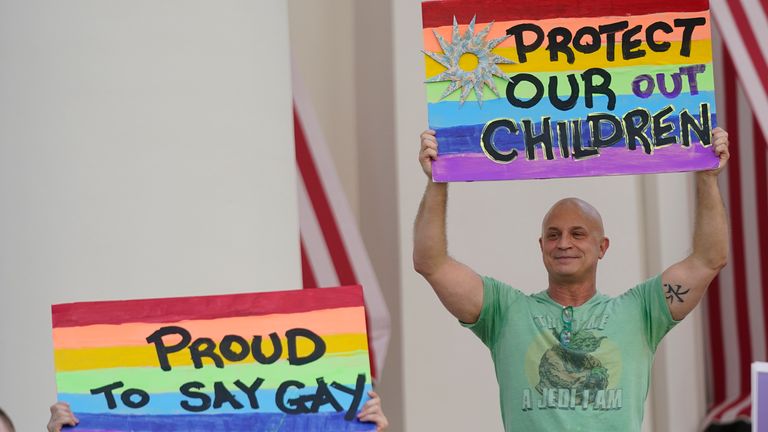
[(762, 402), (611, 161), (267, 422)]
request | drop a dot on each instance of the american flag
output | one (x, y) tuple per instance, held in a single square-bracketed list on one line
[(736, 305), (332, 249)]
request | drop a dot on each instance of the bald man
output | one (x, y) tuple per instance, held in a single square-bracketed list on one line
[(568, 357)]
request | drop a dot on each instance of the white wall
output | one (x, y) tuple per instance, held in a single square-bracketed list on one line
[(145, 150)]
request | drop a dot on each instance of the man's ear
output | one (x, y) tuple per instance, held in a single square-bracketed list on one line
[(604, 243)]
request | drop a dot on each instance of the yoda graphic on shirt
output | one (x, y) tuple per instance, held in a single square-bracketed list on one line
[(573, 366)]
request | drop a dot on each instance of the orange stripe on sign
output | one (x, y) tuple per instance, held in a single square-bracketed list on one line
[(574, 24), (146, 356), (325, 321)]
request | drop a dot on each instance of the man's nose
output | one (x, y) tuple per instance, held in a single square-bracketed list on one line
[(564, 242)]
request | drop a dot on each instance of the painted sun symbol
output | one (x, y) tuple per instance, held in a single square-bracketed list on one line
[(473, 44)]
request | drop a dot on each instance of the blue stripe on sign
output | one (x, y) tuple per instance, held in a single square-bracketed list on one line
[(447, 114), (466, 139), (254, 422)]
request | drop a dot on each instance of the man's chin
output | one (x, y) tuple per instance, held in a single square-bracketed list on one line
[(566, 275)]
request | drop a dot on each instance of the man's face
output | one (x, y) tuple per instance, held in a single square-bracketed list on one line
[(572, 242)]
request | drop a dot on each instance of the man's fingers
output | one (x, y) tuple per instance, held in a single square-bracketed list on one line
[(428, 133), (429, 154), (720, 136), (372, 418), (380, 421), (61, 414), (369, 408), (428, 151), (721, 140), (372, 412), (429, 143), (366, 411), (63, 418)]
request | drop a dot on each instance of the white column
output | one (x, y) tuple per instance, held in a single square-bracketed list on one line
[(678, 389), (146, 150)]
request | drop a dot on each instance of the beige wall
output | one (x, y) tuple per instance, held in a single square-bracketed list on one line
[(145, 151)]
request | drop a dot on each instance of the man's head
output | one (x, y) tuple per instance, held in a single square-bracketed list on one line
[(5, 422), (572, 241)]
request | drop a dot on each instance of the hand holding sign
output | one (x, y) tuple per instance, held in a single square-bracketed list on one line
[(428, 151), (720, 144), (61, 415)]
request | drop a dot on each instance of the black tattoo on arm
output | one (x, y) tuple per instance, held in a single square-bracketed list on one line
[(675, 293)]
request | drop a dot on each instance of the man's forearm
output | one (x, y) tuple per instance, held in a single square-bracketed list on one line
[(710, 239), (430, 247)]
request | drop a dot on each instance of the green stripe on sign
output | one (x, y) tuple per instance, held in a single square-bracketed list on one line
[(621, 83), (340, 368)]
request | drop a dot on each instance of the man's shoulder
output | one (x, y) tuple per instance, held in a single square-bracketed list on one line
[(638, 292), (500, 291)]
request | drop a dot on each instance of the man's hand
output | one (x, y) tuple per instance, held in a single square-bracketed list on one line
[(61, 415), (428, 152), (720, 146), (373, 413)]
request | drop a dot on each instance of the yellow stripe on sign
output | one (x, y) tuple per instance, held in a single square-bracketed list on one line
[(538, 61), (146, 356)]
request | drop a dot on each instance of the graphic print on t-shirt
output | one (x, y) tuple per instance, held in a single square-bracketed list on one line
[(582, 375), (574, 367)]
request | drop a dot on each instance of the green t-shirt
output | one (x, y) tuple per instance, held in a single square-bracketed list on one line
[(598, 382)]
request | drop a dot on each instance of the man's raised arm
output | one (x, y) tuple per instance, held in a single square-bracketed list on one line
[(685, 283), (458, 287)]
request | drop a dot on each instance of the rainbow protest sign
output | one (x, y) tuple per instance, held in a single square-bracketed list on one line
[(281, 361), (568, 88)]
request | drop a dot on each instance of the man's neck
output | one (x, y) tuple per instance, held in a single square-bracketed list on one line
[(571, 294)]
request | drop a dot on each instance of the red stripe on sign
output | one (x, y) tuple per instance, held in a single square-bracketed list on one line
[(320, 204), (750, 41), (441, 13), (737, 226), (716, 350), (204, 307), (761, 190), (307, 275)]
